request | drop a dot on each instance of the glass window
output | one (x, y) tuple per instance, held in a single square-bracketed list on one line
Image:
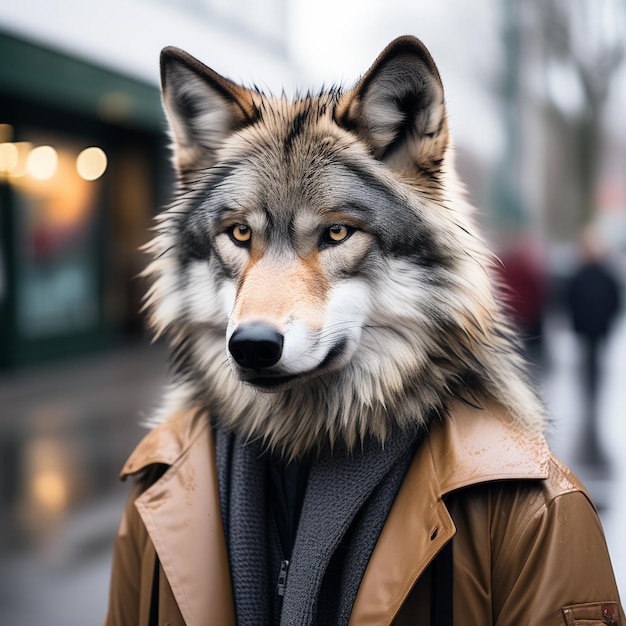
[(57, 193)]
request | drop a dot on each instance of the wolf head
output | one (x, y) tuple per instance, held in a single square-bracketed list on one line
[(318, 273)]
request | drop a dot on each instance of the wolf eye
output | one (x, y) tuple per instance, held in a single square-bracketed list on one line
[(337, 233), (240, 234)]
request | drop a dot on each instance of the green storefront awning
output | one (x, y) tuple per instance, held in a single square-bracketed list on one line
[(32, 71)]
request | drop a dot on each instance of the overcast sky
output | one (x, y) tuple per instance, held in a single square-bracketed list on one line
[(337, 40)]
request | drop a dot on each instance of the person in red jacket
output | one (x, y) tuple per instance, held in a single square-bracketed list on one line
[(525, 289)]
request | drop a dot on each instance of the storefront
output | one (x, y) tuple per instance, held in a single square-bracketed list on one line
[(83, 167)]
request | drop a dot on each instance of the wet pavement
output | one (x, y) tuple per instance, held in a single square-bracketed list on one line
[(66, 429)]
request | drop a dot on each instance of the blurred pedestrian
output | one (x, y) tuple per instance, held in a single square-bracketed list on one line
[(524, 284), (593, 300)]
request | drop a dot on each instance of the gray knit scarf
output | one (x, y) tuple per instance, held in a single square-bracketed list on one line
[(347, 500)]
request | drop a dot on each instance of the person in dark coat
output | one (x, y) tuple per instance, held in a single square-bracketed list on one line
[(593, 298)]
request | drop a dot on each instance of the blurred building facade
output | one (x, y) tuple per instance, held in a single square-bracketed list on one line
[(84, 167)]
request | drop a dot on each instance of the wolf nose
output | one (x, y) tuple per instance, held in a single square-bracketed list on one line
[(256, 346)]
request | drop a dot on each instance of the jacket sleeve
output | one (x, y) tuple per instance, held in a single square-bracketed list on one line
[(132, 570), (555, 570)]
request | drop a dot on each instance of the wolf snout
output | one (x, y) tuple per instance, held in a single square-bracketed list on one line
[(256, 346)]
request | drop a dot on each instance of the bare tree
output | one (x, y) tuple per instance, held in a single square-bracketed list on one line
[(583, 43)]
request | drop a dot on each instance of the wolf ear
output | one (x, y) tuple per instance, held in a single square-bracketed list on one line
[(398, 108), (202, 107)]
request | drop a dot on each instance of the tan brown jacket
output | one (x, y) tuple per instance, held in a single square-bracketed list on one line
[(528, 545)]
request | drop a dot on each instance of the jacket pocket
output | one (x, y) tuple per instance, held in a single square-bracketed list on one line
[(592, 614)]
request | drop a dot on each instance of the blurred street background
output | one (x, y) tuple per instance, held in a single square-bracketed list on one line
[(536, 91)]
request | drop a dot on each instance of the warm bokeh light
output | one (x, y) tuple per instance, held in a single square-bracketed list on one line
[(63, 198), (42, 162), (8, 157), (91, 163), (50, 491), (20, 168)]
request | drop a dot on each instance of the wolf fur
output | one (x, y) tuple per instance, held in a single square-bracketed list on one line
[(335, 224)]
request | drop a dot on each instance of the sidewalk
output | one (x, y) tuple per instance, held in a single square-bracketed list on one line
[(65, 582)]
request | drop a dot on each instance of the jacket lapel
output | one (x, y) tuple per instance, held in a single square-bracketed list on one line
[(418, 526), (470, 446), (182, 516)]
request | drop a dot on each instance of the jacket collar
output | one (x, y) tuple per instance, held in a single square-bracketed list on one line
[(166, 443), (471, 445), (475, 445), (181, 511)]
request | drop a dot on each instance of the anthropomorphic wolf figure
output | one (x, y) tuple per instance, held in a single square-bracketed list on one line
[(349, 437)]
